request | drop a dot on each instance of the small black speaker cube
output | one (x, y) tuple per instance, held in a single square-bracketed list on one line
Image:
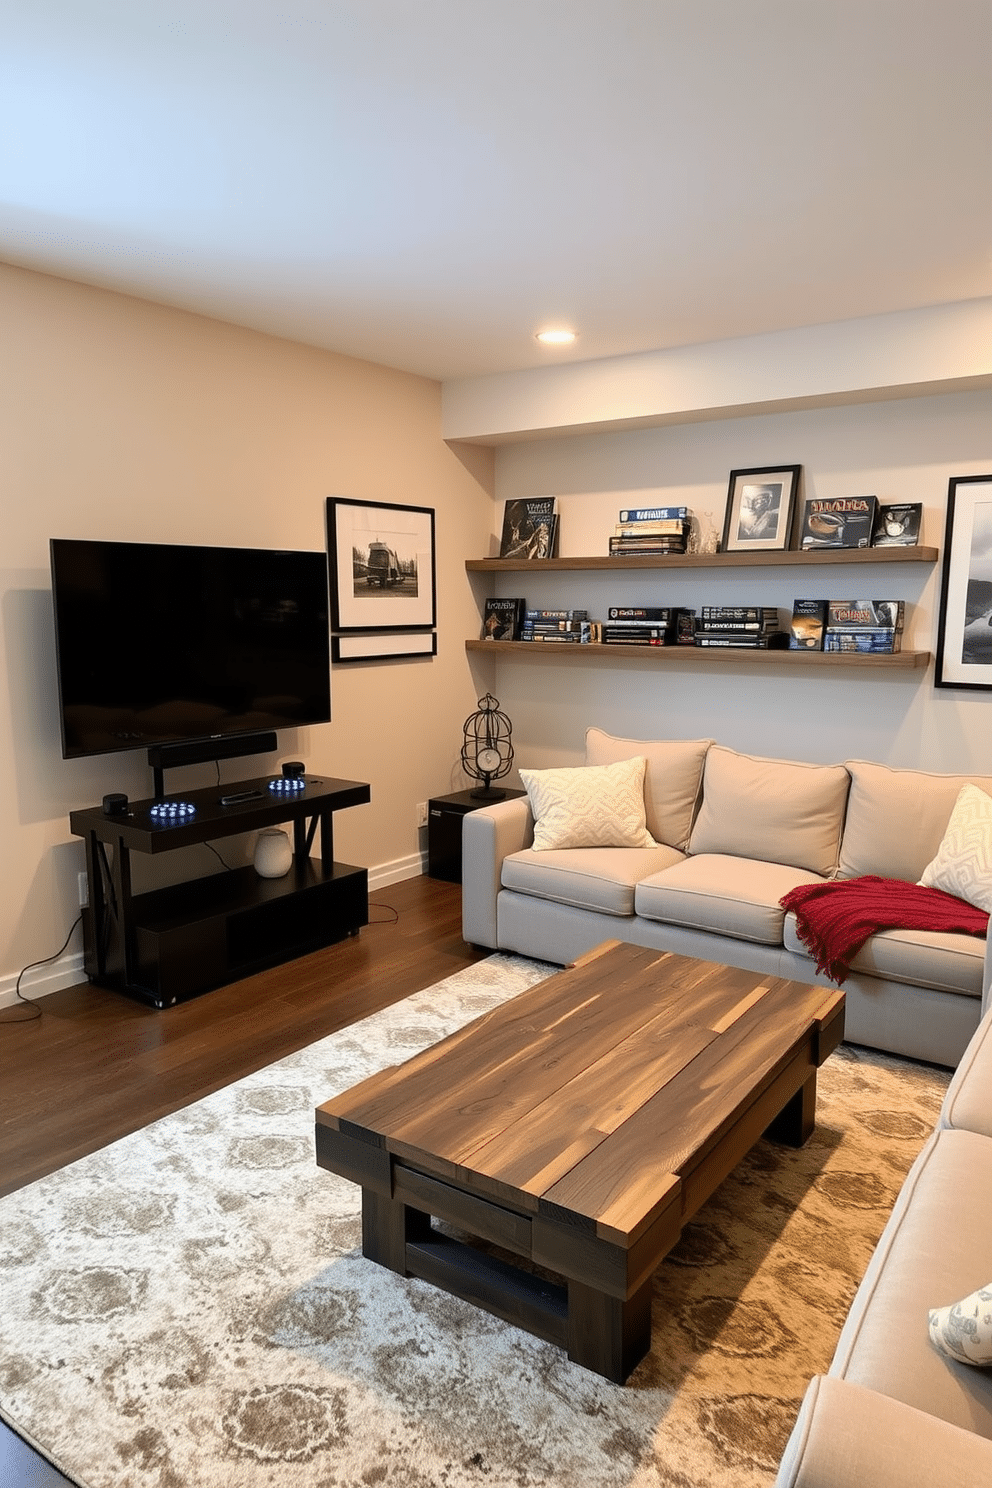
[(294, 769), (115, 804)]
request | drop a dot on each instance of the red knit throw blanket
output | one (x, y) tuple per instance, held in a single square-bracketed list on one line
[(835, 919)]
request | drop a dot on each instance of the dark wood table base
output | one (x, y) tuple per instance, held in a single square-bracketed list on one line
[(599, 1311)]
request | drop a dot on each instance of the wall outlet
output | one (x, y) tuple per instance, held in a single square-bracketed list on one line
[(83, 885), (421, 813)]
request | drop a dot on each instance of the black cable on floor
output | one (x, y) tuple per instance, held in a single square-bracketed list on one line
[(36, 1014)]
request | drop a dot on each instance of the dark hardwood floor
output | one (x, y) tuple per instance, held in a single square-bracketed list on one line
[(95, 1066)]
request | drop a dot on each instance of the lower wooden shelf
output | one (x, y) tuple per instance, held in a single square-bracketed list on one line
[(201, 934), (704, 656)]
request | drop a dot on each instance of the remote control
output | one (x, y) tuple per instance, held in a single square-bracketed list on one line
[(240, 796)]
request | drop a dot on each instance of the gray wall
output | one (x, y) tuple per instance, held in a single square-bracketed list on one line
[(902, 450)]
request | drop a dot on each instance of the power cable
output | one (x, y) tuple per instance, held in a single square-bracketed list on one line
[(36, 1014)]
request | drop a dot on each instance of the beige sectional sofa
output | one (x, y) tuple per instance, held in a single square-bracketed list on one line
[(732, 833), (894, 1411)]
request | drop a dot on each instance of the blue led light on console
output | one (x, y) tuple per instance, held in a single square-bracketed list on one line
[(287, 786), (172, 812)]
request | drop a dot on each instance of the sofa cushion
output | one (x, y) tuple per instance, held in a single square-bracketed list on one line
[(897, 818), (963, 865), (589, 806), (934, 1249), (847, 1436), (600, 878), (939, 960), (967, 1103), (723, 894), (778, 811), (673, 779)]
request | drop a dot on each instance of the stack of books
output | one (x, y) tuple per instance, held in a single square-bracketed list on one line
[(747, 627), (641, 625), (872, 625), (650, 532), (554, 625)]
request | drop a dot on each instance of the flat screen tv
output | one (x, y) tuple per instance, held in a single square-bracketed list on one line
[(161, 643)]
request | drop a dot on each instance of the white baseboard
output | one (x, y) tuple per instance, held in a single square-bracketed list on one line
[(68, 971), (389, 873), (39, 981)]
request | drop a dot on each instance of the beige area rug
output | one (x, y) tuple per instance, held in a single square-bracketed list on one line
[(190, 1306)]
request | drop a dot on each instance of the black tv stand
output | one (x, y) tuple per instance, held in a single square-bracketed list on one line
[(167, 945)]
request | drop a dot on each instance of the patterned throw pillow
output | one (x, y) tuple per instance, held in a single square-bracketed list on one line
[(963, 865), (590, 806), (963, 1331)]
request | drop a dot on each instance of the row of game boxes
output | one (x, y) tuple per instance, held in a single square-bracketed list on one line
[(815, 624), (870, 625), (648, 625), (599, 632), (834, 613)]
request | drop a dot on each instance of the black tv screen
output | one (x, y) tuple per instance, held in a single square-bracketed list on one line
[(159, 643)]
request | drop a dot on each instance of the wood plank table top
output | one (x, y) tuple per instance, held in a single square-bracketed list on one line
[(583, 1122)]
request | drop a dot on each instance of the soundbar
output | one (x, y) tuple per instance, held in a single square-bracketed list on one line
[(199, 751)]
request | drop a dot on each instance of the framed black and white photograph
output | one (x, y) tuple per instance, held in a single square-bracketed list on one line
[(381, 566), (760, 506), (964, 632)]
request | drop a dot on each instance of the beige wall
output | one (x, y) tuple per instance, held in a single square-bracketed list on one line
[(125, 420), (903, 450), (121, 419)]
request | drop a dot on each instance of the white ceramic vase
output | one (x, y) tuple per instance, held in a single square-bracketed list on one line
[(273, 853)]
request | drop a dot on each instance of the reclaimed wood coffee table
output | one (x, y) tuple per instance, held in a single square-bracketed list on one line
[(579, 1126)]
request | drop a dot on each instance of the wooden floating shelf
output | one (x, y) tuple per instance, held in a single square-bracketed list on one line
[(818, 558), (705, 655)]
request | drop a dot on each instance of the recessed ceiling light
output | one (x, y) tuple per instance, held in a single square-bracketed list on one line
[(556, 338)]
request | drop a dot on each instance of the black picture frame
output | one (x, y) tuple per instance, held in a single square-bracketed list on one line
[(760, 509), (383, 645), (964, 623), (395, 593)]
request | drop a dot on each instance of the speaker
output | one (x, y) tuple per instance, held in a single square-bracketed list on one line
[(273, 853), (115, 804), (294, 769), (203, 751)]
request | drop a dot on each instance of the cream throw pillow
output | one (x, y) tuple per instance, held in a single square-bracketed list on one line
[(963, 865), (775, 810), (590, 806), (963, 1331)]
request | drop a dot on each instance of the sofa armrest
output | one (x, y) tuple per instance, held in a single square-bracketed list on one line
[(848, 1436), (488, 836), (987, 975)]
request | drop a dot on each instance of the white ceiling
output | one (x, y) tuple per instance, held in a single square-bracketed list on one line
[(426, 183)]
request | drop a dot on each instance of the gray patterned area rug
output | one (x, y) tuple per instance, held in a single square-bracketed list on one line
[(190, 1305)]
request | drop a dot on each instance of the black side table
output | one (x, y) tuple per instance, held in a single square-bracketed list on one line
[(444, 831)]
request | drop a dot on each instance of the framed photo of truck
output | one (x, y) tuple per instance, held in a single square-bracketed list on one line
[(380, 566)]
